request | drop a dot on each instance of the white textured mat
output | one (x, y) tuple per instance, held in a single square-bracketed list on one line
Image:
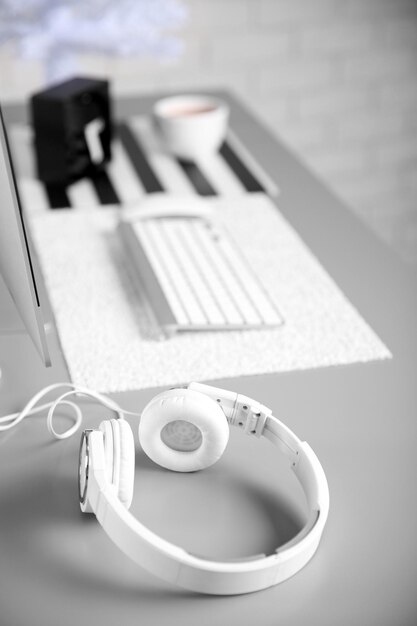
[(104, 329)]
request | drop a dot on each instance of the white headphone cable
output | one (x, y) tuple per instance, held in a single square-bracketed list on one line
[(12, 420)]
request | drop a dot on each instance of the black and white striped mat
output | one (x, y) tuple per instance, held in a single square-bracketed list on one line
[(140, 166)]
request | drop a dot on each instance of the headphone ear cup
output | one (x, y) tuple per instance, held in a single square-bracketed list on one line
[(119, 453), (183, 430)]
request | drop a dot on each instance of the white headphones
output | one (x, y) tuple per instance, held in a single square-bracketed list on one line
[(185, 430)]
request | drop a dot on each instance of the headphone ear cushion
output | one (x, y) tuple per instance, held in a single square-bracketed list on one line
[(106, 428), (119, 454), (127, 463), (183, 430)]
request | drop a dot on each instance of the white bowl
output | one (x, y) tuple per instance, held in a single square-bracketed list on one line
[(191, 126)]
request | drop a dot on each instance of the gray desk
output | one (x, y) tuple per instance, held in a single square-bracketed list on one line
[(57, 567)]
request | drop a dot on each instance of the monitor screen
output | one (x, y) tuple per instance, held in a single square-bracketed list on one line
[(16, 267)]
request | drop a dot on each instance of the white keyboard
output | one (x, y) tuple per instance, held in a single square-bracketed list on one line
[(194, 275)]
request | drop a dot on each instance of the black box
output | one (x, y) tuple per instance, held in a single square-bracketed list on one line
[(60, 117)]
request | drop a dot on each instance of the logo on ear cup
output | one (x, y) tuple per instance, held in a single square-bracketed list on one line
[(183, 430)]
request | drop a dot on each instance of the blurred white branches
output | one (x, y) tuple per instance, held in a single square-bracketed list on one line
[(54, 32)]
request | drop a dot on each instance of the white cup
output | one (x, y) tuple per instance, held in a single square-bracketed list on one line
[(191, 126)]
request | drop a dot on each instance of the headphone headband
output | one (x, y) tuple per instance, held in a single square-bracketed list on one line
[(175, 564)]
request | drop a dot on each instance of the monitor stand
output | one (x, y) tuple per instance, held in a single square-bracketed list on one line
[(10, 322), (22, 372)]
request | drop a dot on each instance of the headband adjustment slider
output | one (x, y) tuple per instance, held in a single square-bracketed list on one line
[(249, 415)]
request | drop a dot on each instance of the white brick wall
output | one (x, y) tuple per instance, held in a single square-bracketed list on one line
[(337, 80)]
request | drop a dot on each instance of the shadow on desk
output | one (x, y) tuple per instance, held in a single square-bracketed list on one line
[(47, 540), (42, 524)]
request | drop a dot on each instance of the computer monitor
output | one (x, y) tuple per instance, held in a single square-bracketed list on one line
[(16, 267)]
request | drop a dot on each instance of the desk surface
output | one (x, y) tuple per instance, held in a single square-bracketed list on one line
[(56, 567)]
